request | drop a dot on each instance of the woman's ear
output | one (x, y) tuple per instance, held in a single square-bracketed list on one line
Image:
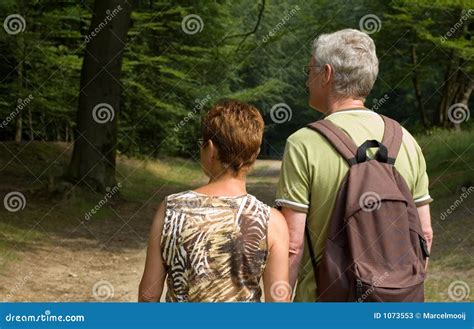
[(213, 151)]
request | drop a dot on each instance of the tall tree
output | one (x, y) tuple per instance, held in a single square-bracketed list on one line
[(93, 159), (445, 26)]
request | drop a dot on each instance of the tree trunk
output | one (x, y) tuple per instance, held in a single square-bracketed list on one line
[(419, 99), (71, 135), (18, 127), (30, 123), (93, 159), (448, 91), (453, 107), (462, 97), (21, 82)]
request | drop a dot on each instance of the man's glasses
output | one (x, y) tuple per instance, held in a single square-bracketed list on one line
[(307, 68)]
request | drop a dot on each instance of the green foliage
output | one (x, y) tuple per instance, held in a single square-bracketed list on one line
[(170, 78)]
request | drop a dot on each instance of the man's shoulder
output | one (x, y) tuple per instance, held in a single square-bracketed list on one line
[(407, 136), (304, 136), (409, 141)]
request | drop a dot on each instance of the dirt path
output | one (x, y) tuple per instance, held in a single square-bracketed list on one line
[(99, 262)]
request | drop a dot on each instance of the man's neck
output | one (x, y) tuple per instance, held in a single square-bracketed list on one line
[(344, 104)]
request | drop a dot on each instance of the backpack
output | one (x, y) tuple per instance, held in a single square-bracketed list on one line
[(375, 250)]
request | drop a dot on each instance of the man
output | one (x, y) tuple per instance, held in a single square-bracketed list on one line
[(341, 73)]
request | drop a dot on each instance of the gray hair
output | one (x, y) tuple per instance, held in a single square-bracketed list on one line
[(352, 56)]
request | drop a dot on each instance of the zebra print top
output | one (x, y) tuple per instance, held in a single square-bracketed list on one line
[(214, 248)]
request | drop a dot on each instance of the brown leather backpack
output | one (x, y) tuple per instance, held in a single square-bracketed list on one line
[(375, 250)]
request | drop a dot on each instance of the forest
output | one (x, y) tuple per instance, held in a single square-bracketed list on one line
[(152, 75)]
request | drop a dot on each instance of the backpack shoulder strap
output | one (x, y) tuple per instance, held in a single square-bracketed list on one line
[(338, 139), (392, 138)]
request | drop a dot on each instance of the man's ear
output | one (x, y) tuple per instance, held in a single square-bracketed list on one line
[(328, 72)]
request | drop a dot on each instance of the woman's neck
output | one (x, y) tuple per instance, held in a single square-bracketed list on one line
[(226, 184)]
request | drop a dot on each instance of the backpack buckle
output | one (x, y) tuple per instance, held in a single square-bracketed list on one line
[(381, 155)]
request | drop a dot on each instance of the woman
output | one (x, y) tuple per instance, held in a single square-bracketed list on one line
[(213, 244)]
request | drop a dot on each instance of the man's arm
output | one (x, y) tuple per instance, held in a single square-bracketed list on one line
[(296, 222), (427, 230)]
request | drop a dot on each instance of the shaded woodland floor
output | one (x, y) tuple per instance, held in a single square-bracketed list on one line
[(49, 252)]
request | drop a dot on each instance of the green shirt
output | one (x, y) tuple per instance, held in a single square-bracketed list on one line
[(312, 172)]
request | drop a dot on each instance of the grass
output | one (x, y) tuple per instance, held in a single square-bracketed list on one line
[(146, 176), (450, 160), (11, 235)]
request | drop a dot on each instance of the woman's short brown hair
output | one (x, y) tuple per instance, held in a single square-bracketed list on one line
[(236, 128)]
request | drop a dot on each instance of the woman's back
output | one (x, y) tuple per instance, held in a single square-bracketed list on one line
[(214, 248)]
